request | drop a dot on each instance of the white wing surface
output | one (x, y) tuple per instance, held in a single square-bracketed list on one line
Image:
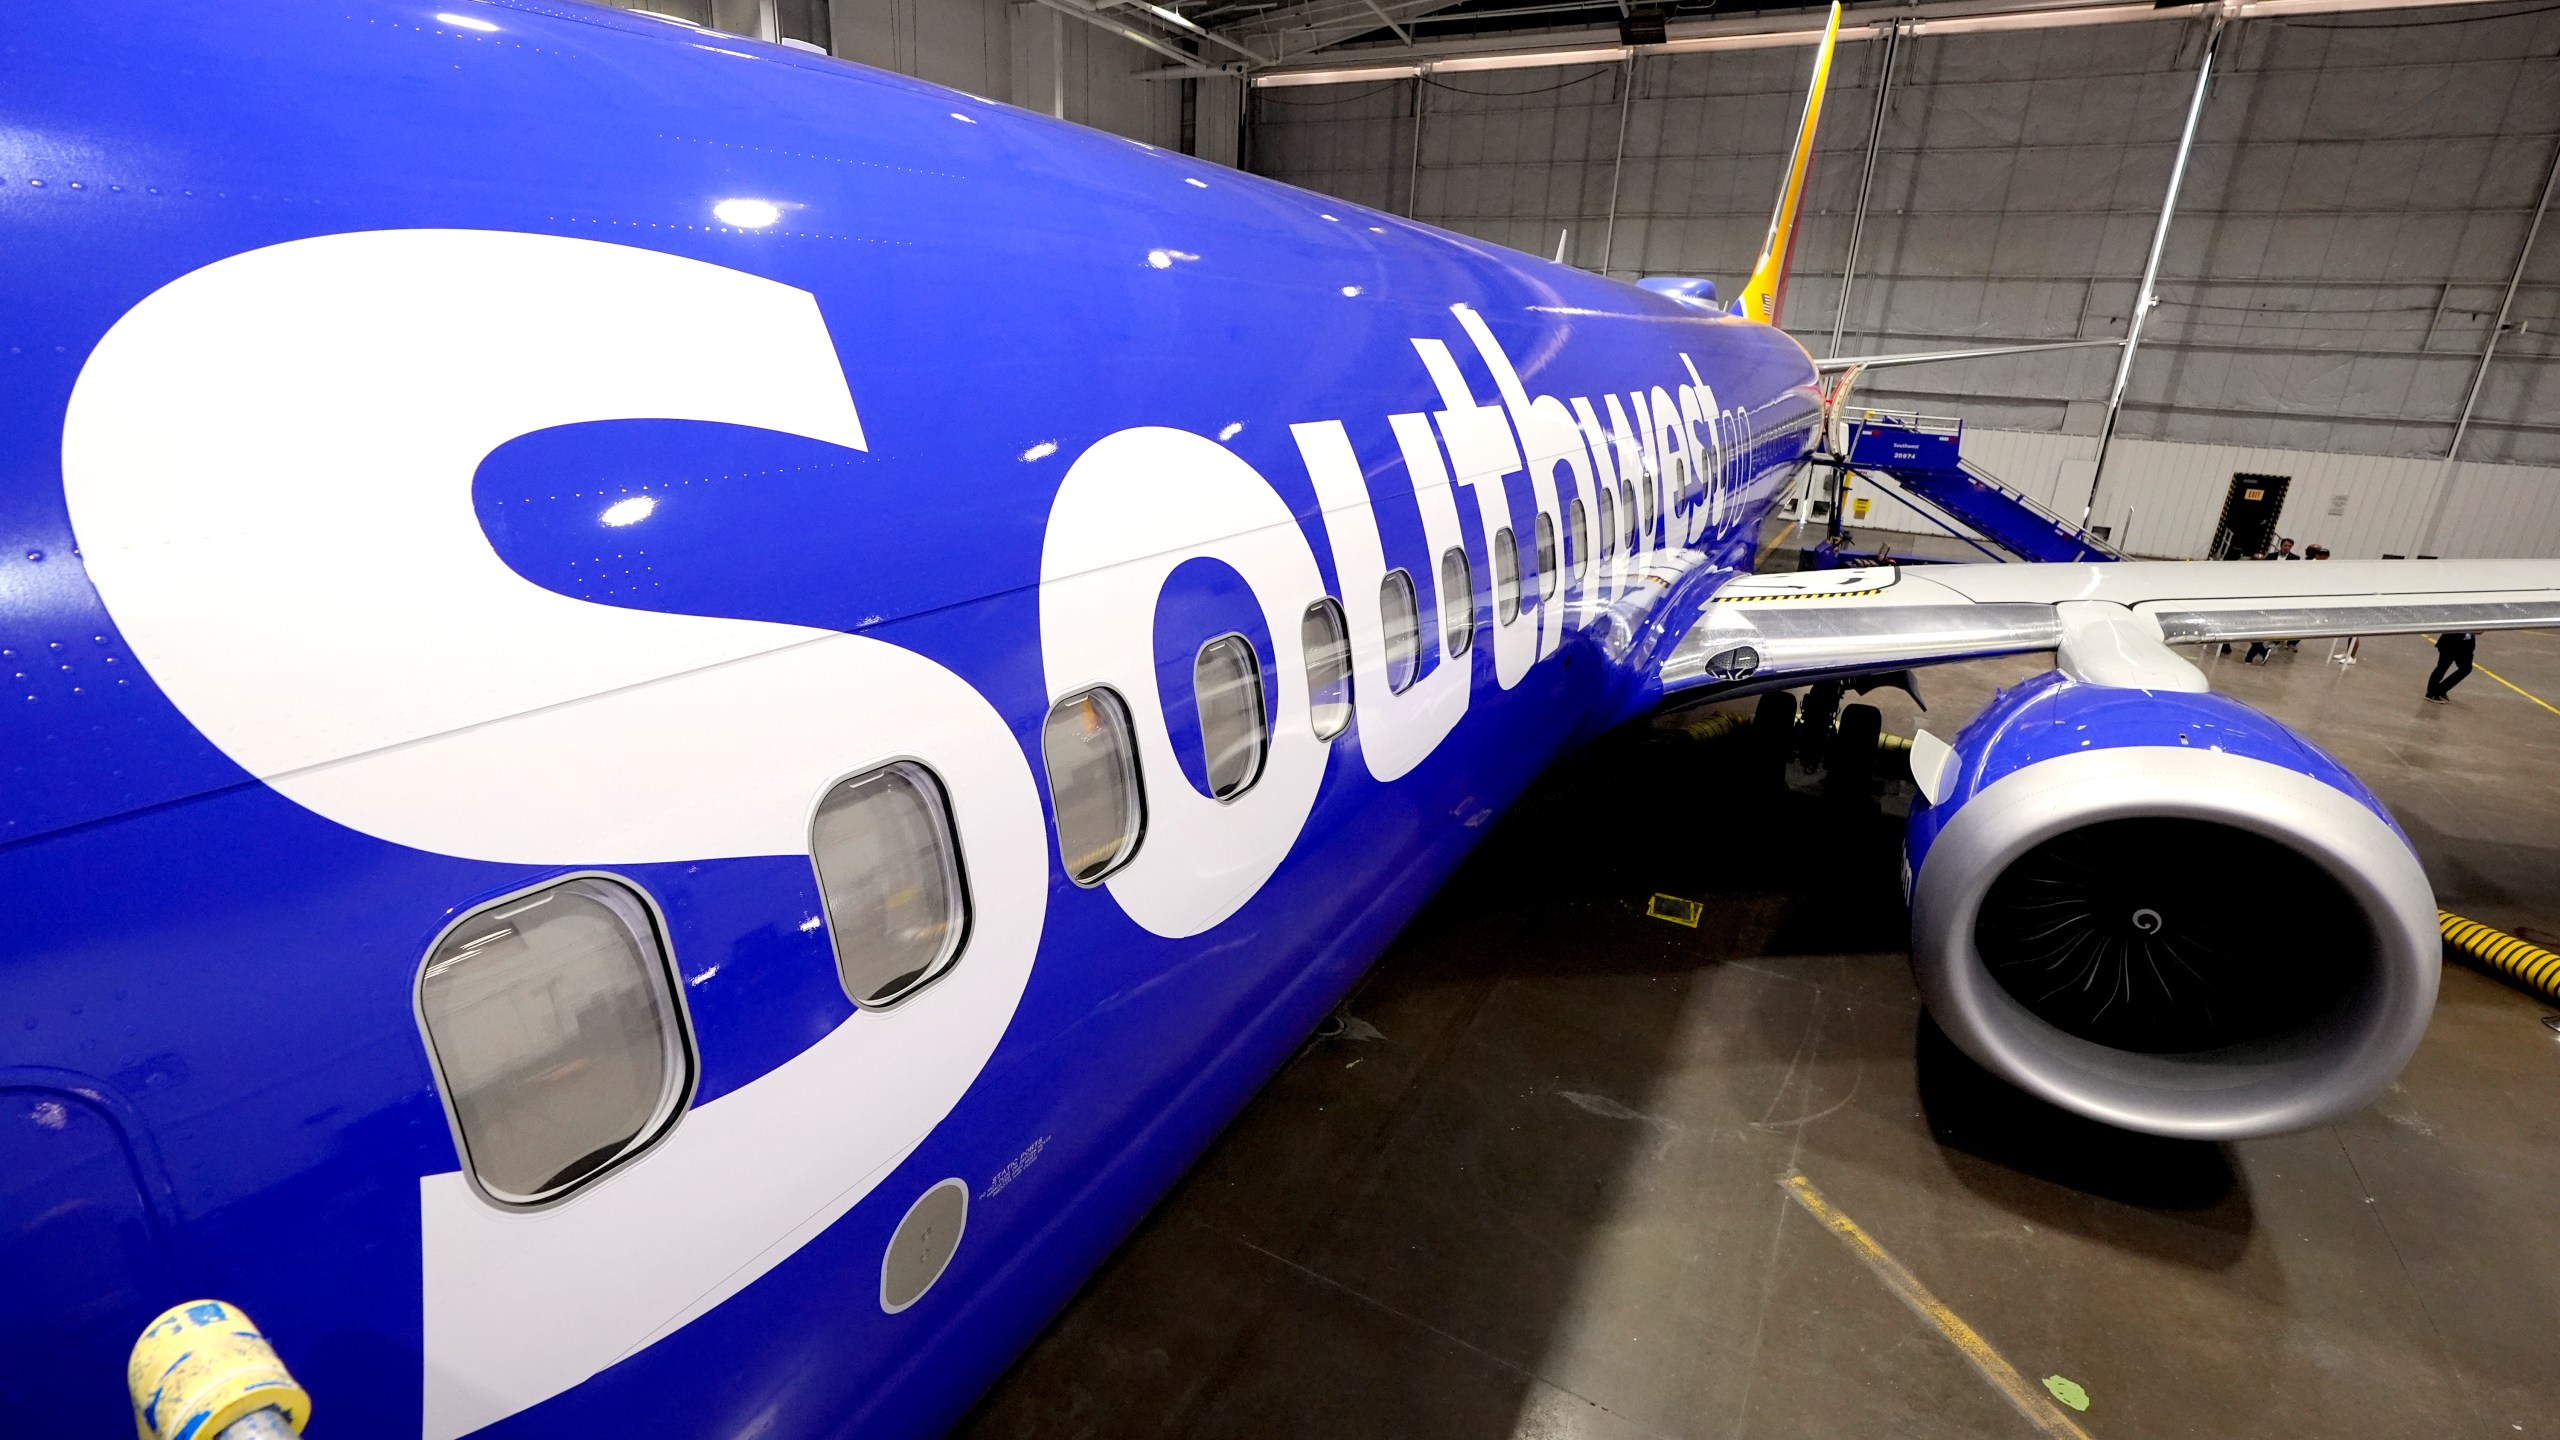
[(2111, 623)]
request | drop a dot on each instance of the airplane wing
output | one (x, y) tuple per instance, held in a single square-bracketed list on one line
[(2109, 623)]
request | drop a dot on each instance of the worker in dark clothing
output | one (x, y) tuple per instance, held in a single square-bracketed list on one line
[(2454, 649)]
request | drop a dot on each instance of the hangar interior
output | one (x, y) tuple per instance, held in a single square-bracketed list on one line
[(1533, 1179), (1598, 1075)]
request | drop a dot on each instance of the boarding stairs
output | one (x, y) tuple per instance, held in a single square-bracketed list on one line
[(1922, 457)]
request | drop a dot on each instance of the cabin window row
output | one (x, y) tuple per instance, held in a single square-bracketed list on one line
[(555, 1022), (1089, 747), (554, 1018)]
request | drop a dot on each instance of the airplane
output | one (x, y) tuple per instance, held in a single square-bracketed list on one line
[(685, 717)]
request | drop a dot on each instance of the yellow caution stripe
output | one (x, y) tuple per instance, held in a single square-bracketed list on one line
[(2520, 963), (1794, 595)]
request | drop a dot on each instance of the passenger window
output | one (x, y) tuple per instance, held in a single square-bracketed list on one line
[(1328, 647), (1457, 602), (1575, 540), (1627, 507), (1226, 683), (1093, 783), (1506, 577), (557, 1037), (1545, 530), (889, 872), (1679, 481), (1608, 524), (1646, 500), (1401, 621)]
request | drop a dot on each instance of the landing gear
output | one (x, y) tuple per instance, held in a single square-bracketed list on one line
[(1773, 736), (1814, 723), (1851, 775)]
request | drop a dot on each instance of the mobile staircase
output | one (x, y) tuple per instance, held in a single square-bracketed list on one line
[(1922, 456)]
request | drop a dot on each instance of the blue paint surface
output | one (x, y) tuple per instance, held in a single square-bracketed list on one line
[(231, 976), (2050, 716)]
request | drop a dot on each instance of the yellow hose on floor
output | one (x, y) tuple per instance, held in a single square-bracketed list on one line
[(2521, 963), (1717, 724)]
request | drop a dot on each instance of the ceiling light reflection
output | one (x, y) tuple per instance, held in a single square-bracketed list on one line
[(747, 214)]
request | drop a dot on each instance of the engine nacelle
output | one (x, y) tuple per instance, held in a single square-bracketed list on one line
[(2167, 912)]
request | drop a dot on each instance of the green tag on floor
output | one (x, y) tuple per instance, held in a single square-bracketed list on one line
[(2067, 1391)]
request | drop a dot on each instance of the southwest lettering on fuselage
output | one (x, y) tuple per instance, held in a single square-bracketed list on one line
[(205, 473)]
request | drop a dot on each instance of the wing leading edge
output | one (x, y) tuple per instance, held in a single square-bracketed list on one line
[(2110, 624)]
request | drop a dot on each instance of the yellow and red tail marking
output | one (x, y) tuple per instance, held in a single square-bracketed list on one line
[(1766, 289)]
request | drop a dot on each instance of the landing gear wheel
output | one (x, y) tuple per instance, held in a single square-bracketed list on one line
[(1813, 723), (1773, 733), (1852, 774)]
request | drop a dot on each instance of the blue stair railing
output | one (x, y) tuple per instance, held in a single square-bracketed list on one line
[(1923, 456)]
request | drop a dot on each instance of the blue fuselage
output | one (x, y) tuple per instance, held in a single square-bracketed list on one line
[(448, 454)]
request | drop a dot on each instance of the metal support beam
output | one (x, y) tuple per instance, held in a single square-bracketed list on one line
[(1413, 175), (1744, 29), (1175, 19), (1402, 33), (1618, 166), (1090, 14), (2143, 299), (754, 19), (1058, 64), (1866, 177), (2488, 351)]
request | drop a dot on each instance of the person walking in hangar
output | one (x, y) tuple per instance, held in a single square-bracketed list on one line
[(2454, 649)]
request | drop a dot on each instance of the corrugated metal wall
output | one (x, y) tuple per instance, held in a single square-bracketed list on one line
[(2360, 190), (1005, 51), (995, 49), (2359, 506)]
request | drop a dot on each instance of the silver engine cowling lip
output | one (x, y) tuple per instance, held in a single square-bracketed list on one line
[(2292, 1082)]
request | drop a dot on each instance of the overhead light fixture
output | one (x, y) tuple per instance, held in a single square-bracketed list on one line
[(1282, 79), (1579, 55), (2037, 20)]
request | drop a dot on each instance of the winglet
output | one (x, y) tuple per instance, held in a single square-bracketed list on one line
[(1762, 294)]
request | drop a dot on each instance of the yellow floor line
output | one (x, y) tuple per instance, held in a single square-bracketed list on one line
[(1772, 547), (2510, 684), (2028, 1397)]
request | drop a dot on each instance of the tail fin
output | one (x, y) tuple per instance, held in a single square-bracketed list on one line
[(1767, 286)]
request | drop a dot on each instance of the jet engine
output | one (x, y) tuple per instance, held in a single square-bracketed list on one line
[(2166, 911)]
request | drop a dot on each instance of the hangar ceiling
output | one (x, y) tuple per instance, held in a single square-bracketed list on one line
[(1298, 29)]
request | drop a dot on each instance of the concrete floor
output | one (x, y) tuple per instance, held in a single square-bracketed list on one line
[(1533, 1186)]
